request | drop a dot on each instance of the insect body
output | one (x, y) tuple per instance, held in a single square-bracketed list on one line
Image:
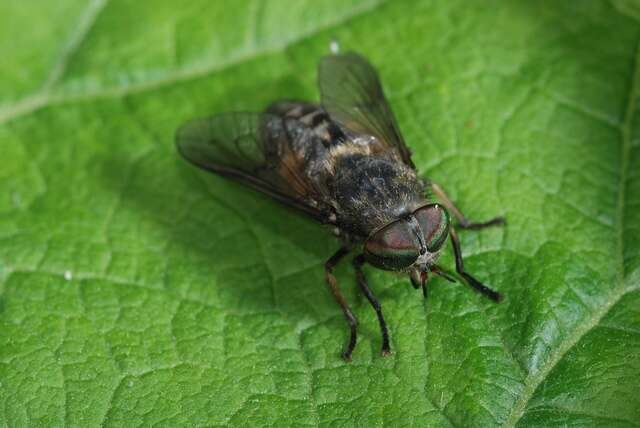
[(345, 164)]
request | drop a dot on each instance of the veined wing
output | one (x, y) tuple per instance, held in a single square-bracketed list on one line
[(254, 149), (352, 95)]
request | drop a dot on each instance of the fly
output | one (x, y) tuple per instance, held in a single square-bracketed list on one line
[(345, 164)]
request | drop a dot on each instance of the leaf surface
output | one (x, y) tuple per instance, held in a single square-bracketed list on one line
[(135, 290)]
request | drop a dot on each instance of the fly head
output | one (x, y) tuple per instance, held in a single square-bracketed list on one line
[(411, 243)]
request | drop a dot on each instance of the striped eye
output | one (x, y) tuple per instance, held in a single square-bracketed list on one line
[(394, 247), (434, 222)]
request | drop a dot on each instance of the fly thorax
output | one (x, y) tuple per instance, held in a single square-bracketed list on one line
[(371, 192)]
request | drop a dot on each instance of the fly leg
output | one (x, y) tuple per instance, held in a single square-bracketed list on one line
[(493, 295), (333, 284), (464, 222), (421, 279), (362, 282), (441, 272)]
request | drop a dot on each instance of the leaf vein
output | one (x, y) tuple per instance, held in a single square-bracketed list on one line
[(534, 380), (42, 99), (87, 20)]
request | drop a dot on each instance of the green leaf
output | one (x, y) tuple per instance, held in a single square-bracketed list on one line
[(135, 290)]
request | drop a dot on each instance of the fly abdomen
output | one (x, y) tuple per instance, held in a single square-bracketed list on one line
[(311, 116)]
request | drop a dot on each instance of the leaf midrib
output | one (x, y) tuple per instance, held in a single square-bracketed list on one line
[(46, 97)]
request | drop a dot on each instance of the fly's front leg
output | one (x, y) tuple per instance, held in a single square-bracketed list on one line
[(464, 222), (333, 284), (362, 282), (443, 273), (493, 295)]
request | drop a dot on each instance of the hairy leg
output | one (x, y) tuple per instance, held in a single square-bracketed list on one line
[(493, 295), (335, 289), (362, 282)]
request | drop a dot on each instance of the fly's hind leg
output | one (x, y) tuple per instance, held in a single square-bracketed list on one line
[(464, 222), (335, 289), (362, 282)]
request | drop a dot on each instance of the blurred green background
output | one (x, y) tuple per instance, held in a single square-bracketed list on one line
[(137, 291)]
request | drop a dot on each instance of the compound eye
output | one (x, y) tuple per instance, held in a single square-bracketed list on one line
[(434, 222), (394, 247)]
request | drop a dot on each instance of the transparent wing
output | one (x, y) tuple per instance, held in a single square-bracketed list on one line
[(352, 95), (254, 149)]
